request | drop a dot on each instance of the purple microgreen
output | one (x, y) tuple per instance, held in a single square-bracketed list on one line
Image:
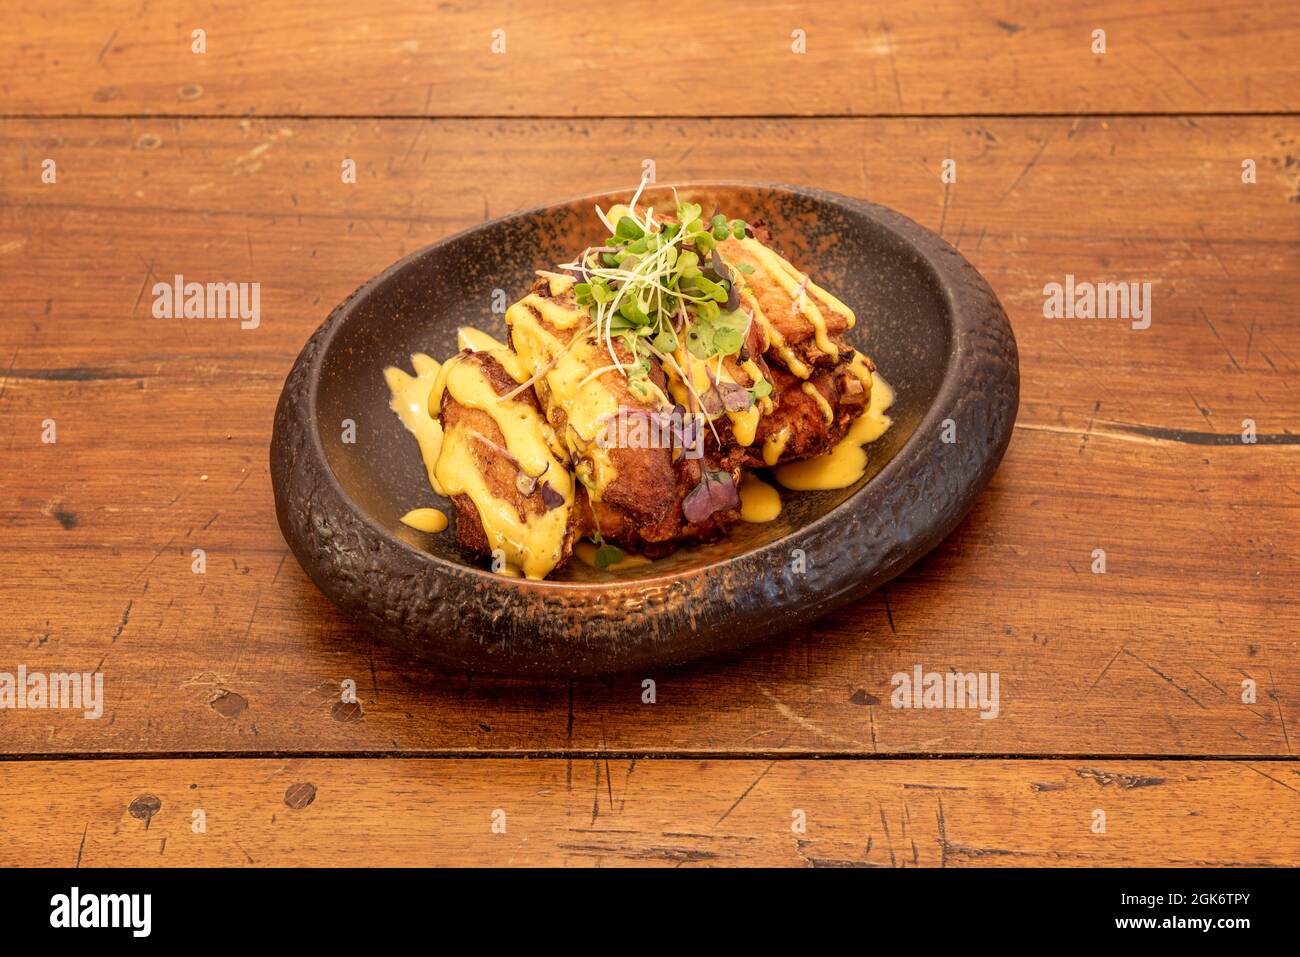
[(715, 493), (551, 498), (735, 398), (733, 297), (732, 397)]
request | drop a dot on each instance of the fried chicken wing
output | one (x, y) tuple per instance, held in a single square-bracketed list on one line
[(803, 323), (501, 467), (810, 415)]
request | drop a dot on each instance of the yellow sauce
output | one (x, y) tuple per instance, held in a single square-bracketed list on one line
[(558, 314), (790, 279), (815, 394), (558, 282), (744, 424), (476, 340), (410, 400), (587, 403), (773, 338), (425, 520), (533, 546), (774, 445), (861, 367), (685, 366), (847, 461), (586, 552), (759, 502), (752, 370)]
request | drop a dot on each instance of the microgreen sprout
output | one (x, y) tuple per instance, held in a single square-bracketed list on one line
[(655, 284), (606, 554)]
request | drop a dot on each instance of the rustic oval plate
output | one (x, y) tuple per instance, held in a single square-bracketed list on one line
[(933, 326)]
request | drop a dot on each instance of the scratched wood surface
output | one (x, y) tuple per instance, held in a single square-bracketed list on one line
[(391, 58), (655, 812), (1128, 440), (225, 166)]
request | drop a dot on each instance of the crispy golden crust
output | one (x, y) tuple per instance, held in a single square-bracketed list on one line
[(620, 526), (778, 307), (803, 418)]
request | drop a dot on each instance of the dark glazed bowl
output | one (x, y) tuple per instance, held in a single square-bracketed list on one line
[(933, 326)]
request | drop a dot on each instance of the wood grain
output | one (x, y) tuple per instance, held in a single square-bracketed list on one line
[(417, 59), (1127, 440), (671, 813)]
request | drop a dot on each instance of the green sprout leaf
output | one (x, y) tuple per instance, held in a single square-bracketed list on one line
[(628, 228), (721, 333), (688, 213), (633, 313), (699, 340), (714, 290), (666, 341), (618, 325), (707, 310), (606, 554), (727, 340)]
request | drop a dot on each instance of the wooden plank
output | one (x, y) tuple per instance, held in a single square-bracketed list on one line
[(1125, 440), (673, 813), (392, 58)]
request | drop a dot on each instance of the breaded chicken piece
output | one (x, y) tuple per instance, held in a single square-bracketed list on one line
[(803, 322), (499, 469), (809, 416)]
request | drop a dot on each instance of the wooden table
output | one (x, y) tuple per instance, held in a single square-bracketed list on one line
[(1120, 692)]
